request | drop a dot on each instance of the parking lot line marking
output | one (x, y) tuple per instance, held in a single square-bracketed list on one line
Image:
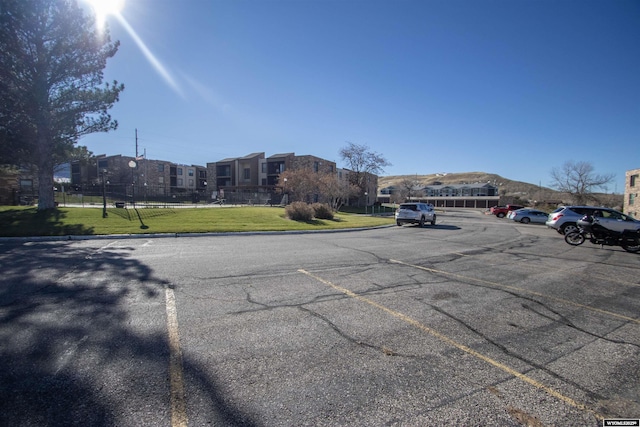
[(413, 322), (176, 380), (514, 288)]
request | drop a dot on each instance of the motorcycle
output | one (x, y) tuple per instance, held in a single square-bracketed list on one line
[(589, 228)]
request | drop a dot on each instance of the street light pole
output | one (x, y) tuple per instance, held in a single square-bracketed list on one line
[(133, 165), (366, 201), (284, 192), (104, 194)]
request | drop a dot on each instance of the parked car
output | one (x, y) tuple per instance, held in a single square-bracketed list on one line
[(527, 215), (564, 218), (502, 211), (415, 213)]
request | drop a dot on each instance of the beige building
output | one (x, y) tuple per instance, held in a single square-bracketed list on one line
[(254, 177), (631, 190)]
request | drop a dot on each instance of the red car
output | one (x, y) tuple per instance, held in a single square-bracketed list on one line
[(502, 211)]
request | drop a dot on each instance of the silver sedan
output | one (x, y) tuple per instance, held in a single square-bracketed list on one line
[(526, 216)]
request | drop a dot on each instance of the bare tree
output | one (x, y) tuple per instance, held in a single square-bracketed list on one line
[(306, 185), (335, 191), (362, 162), (579, 180), (409, 188), (301, 184)]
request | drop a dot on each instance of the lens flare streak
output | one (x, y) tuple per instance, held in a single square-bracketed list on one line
[(149, 55)]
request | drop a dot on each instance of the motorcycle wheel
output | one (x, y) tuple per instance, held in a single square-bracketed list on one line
[(574, 238), (632, 247)]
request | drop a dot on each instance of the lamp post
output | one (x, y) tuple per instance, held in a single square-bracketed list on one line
[(284, 192), (366, 201), (133, 165), (104, 193), (205, 192)]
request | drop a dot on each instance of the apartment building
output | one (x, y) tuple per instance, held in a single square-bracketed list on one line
[(471, 195), (254, 177), (631, 204), (231, 173), (187, 178), (127, 177), (18, 186), (276, 164)]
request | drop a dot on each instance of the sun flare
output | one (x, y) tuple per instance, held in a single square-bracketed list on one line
[(104, 8)]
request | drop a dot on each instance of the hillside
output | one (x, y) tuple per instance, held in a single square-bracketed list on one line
[(507, 186), (509, 189)]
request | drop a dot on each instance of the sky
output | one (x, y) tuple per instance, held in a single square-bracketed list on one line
[(512, 87)]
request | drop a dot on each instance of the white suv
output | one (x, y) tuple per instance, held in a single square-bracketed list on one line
[(415, 213)]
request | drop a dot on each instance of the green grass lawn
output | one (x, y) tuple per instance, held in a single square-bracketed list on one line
[(27, 221)]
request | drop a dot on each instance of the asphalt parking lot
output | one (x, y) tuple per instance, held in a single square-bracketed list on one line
[(474, 321)]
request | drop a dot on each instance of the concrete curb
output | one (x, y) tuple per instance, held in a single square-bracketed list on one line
[(176, 235)]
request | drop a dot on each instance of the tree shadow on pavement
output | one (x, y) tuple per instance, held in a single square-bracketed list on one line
[(83, 335)]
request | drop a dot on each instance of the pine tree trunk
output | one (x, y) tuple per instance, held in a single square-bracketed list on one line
[(45, 190), (45, 166)]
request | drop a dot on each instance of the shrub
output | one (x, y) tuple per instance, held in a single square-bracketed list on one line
[(299, 211), (322, 211)]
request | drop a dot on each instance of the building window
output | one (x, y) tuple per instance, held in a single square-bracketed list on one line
[(632, 180), (247, 174), (316, 166), (161, 168), (103, 164), (179, 171), (161, 180), (191, 172), (632, 198), (264, 168), (179, 182), (190, 183)]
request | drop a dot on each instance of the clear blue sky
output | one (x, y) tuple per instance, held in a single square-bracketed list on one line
[(513, 87)]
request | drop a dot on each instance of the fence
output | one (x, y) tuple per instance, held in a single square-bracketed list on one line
[(87, 195)]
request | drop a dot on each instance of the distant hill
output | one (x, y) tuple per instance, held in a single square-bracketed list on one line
[(509, 189), (506, 186)]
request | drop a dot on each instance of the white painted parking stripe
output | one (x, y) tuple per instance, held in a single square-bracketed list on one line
[(176, 378)]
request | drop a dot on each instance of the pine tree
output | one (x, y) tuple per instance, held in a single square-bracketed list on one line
[(52, 58)]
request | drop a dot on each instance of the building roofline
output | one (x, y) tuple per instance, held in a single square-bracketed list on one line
[(276, 156)]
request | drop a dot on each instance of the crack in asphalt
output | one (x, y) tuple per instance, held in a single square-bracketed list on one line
[(561, 318), (519, 357), (564, 320), (381, 348)]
